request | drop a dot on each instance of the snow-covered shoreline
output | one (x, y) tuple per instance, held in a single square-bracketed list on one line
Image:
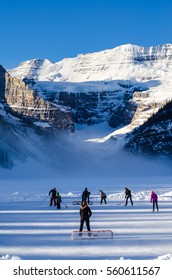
[(144, 195)]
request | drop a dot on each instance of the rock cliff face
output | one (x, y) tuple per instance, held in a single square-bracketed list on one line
[(154, 136), (22, 101), (2, 83), (114, 107)]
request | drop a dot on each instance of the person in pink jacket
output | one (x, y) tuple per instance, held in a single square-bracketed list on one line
[(154, 200)]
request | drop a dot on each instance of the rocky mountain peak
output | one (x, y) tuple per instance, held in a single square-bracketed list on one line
[(123, 62), (30, 69)]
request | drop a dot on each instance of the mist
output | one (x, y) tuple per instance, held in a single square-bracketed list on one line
[(71, 163)]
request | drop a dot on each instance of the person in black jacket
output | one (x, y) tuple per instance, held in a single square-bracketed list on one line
[(86, 196), (128, 196), (53, 193), (58, 201), (102, 197), (85, 214)]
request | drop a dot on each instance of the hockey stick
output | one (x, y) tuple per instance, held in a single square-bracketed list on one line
[(65, 204), (121, 202), (94, 234)]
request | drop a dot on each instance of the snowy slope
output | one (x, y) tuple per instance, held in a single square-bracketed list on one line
[(123, 62)]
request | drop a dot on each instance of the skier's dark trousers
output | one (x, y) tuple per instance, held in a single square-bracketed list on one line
[(53, 193), (85, 214), (128, 196), (86, 196)]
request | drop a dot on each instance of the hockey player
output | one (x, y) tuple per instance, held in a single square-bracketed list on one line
[(154, 200), (85, 214), (86, 196), (58, 201), (53, 193), (102, 197), (128, 196)]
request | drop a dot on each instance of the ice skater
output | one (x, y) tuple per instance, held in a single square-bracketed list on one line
[(58, 201), (53, 193), (102, 197), (85, 214), (128, 195), (86, 196), (154, 201)]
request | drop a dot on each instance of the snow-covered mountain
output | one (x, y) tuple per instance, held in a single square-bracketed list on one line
[(104, 80), (122, 88), (125, 62)]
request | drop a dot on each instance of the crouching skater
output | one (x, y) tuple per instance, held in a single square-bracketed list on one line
[(85, 214), (102, 197)]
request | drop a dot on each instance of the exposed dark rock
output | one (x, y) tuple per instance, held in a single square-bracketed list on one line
[(2, 83), (154, 137), (22, 101)]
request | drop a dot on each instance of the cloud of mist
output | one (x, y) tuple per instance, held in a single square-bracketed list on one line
[(69, 160)]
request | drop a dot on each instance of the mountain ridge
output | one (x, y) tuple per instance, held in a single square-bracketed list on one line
[(97, 66), (144, 73)]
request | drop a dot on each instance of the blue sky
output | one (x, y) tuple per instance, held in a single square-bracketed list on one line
[(56, 29)]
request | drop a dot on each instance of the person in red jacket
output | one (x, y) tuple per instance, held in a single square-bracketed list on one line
[(154, 200)]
